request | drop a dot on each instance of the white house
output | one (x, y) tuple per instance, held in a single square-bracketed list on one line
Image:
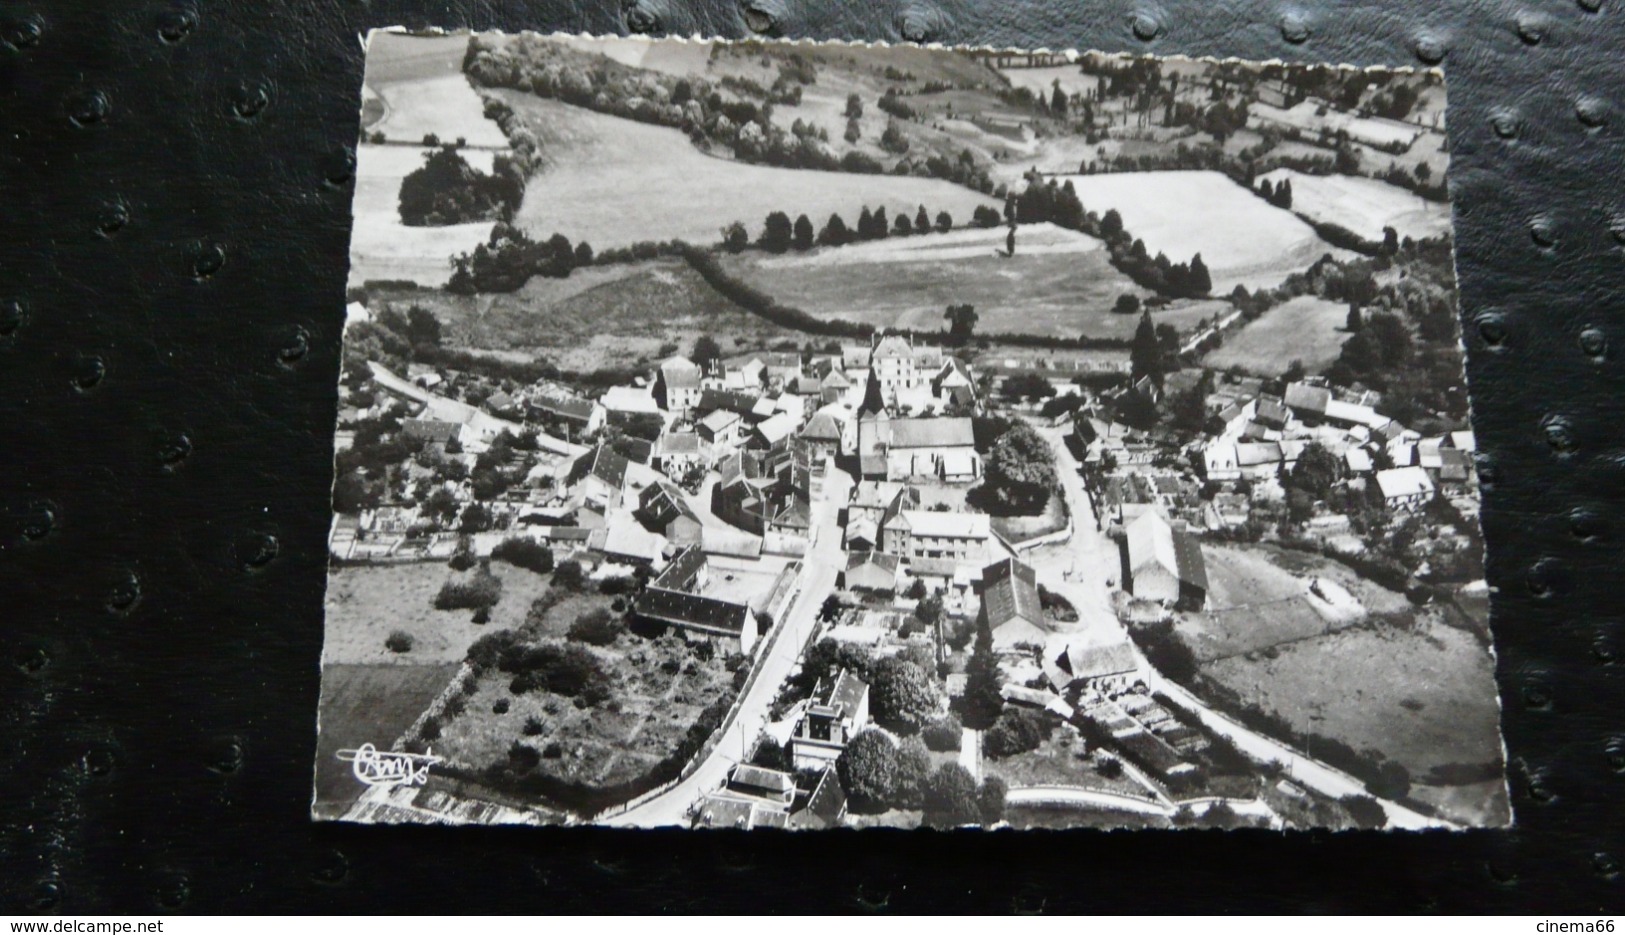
[(1405, 488)]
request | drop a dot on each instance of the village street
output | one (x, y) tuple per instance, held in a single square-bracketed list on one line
[(819, 568)]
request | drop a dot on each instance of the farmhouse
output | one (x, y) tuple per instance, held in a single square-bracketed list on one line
[(870, 571), (752, 797), (960, 538), (838, 710), (677, 384), (1164, 564), (825, 432), (878, 500), (598, 478), (764, 491), (935, 449), (720, 427), (663, 509), (677, 453), (822, 806), (676, 598), (1011, 610), (897, 365), (578, 416), (1405, 488)]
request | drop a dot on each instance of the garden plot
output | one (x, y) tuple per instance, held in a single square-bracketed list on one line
[(1059, 282), (1364, 206), (1307, 329), (381, 247), (419, 80), (1243, 239), (613, 182)]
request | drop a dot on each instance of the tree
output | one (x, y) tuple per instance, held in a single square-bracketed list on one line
[(524, 553), (399, 641), (902, 695), (1017, 731), (1021, 470), (1145, 355), (1057, 103), (950, 797), (903, 226), (569, 576), (476, 518), (596, 627), (982, 702), (826, 659), (1294, 372), (835, 232), (853, 132), (706, 351), (1127, 304), (422, 327), (735, 238), (1353, 322), (1200, 281), (854, 107), (922, 221), (961, 321), (913, 772), (1390, 241), (1111, 224), (945, 222), (867, 769), (802, 238), (990, 801), (892, 139), (777, 232), (943, 734)]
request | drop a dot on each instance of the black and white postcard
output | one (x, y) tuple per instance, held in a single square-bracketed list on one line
[(802, 436)]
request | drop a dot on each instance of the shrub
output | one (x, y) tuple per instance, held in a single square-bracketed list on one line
[(1365, 811), (569, 575), (1110, 767), (943, 734), (552, 751), (990, 800), (524, 553), (596, 627), (430, 729), (951, 796), (500, 706), (566, 670), (523, 756), (399, 641), (482, 590), (533, 726), (482, 615)]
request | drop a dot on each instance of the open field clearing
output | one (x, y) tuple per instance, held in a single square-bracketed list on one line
[(598, 316), (1059, 282), (659, 688), (680, 57), (366, 704), (1243, 239), (1425, 698), (420, 82), (367, 603), (614, 182), (381, 247), (1364, 206), (1306, 328), (1259, 597), (1373, 131)]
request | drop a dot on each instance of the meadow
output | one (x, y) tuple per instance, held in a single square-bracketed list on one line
[(1364, 206), (381, 247), (1373, 131), (614, 182), (1059, 282), (1243, 239), (1307, 329), (602, 316), (420, 82), (366, 704)]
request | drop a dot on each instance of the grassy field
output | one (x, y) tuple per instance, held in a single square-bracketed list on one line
[(1058, 818), (1424, 698), (365, 604), (1306, 328), (1374, 131), (420, 81), (649, 711), (1364, 206), (366, 704), (381, 247), (613, 182), (1059, 282), (620, 315), (1059, 761), (1242, 239), (1258, 597)]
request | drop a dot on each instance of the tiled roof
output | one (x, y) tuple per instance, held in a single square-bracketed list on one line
[(932, 433)]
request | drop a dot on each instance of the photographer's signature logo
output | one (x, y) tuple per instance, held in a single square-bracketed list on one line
[(388, 768)]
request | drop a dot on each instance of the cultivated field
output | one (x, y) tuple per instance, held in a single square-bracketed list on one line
[(1364, 206), (1258, 597), (381, 247), (659, 688), (1059, 282), (599, 316), (367, 603), (1243, 239), (420, 82), (1306, 328), (1373, 131), (366, 704), (613, 182), (1424, 698)]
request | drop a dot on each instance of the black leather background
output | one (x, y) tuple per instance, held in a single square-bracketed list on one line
[(175, 181)]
